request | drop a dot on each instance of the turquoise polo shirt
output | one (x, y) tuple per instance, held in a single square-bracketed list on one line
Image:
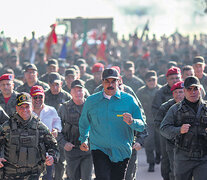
[(108, 132)]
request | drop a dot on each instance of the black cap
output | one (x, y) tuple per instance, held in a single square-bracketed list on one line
[(53, 62), (110, 73), (54, 78), (198, 60), (128, 65), (70, 71), (81, 62), (30, 66), (23, 98), (77, 83), (191, 81), (150, 74)]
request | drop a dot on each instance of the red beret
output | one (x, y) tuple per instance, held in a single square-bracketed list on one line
[(7, 77), (177, 85), (36, 90), (173, 70), (97, 67)]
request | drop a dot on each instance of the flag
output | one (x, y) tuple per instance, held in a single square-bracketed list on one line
[(102, 48), (52, 39), (63, 53)]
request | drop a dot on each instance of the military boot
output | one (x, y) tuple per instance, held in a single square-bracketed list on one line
[(151, 167)]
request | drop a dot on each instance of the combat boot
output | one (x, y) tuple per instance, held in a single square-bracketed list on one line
[(151, 167)]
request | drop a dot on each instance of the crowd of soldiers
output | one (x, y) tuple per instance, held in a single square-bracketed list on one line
[(153, 71)]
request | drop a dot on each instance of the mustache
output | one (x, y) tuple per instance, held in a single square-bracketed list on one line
[(110, 88)]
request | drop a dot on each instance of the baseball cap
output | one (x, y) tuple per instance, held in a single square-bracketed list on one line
[(7, 77), (150, 74), (128, 65), (173, 70), (30, 66), (23, 98), (36, 90), (198, 60), (70, 71), (97, 67), (52, 62), (110, 73), (54, 78), (191, 81), (81, 62), (77, 83), (177, 85)]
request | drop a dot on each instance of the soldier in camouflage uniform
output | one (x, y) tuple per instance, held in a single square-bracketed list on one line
[(70, 76), (52, 66), (17, 82), (54, 97), (28, 144), (81, 63), (129, 78), (186, 122), (91, 84), (199, 66), (146, 95), (164, 94), (7, 94), (167, 147), (79, 163), (31, 78)]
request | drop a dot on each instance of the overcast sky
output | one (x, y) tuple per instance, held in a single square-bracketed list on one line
[(19, 18)]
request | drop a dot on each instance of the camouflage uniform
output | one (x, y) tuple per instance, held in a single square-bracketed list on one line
[(91, 85), (10, 107), (146, 97), (79, 163), (25, 147), (162, 96), (135, 83), (191, 147), (203, 81), (26, 88), (17, 83), (56, 99), (3, 116), (162, 79), (86, 77), (167, 146), (133, 162)]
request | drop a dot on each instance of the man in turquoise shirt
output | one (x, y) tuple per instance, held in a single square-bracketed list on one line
[(110, 117)]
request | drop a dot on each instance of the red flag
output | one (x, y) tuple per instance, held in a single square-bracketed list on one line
[(52, 39), (102, 48)]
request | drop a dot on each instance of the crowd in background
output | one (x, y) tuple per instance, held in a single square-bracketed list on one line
[(138, 59)]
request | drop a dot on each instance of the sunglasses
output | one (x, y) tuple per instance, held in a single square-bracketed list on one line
[(38, 97)]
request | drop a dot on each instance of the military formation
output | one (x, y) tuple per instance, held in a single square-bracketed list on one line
[(80, 117)]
